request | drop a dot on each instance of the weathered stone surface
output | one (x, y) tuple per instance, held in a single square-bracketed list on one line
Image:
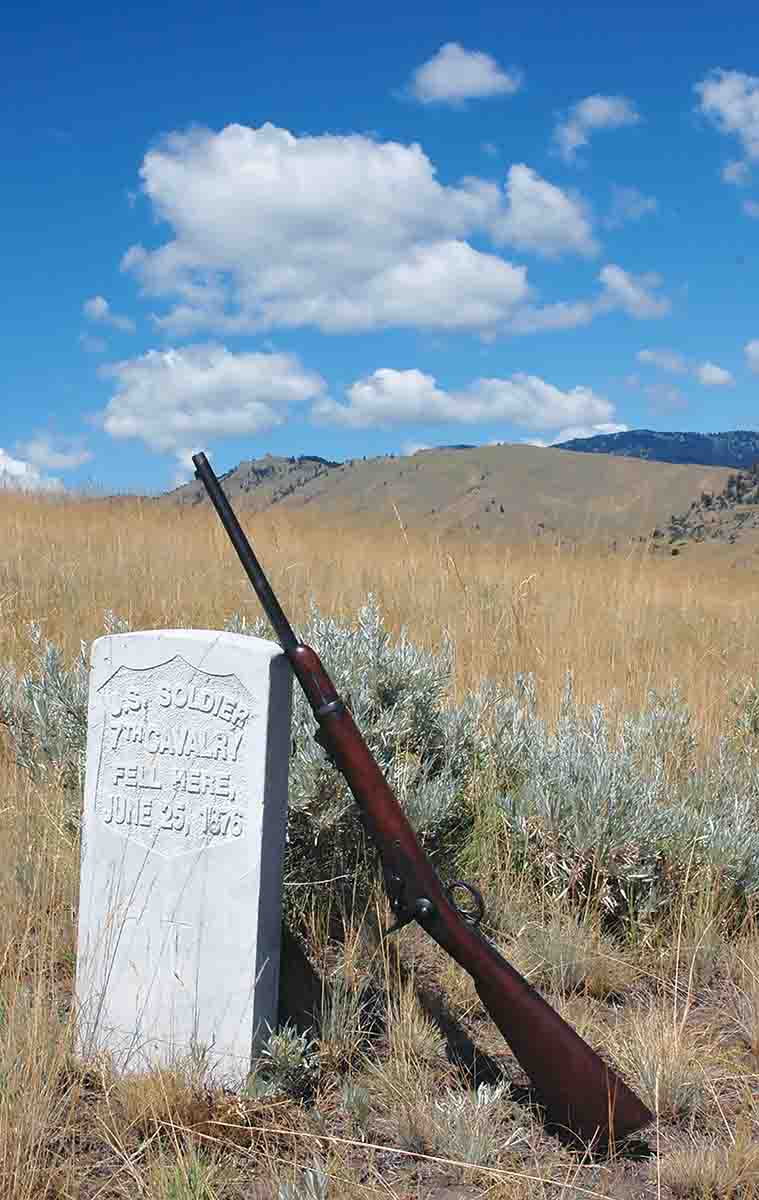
[(182, 841)]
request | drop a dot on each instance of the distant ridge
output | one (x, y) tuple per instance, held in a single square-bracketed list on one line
[(736, 448), (726, 516), (498, 491), (270, 479)]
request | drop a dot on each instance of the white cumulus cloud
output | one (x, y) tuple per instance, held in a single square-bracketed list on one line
[(751, 350), (713, 376), (390, 397), (172, 399), (542, 218), (708, 373), (666, 360), (628, 204), (446, 286), (454, 75), (16, 474), (634, 294), (387, 397), (348, 234), (619, 291), (341, 233), (586, 431), (54, 454), (98, 309), (564, 314), (751, 208), (587, 117), (730, 100)]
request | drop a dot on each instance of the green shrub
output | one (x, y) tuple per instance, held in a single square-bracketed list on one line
[(594, 812)]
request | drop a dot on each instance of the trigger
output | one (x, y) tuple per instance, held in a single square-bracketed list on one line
[(402, 918)]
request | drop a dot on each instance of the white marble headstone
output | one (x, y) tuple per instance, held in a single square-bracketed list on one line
[(183, 832)]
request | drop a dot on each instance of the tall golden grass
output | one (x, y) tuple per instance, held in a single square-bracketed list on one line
[(623, 622)]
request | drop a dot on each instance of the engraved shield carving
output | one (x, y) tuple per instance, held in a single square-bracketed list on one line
[(172, 768)]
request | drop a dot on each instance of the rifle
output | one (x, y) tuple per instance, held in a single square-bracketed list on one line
[(580, 1093)]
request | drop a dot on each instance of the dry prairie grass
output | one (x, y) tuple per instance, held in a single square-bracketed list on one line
[(623, 622), (383, 1121)]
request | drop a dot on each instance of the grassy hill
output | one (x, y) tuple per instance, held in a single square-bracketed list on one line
[(722, 518), (261, 482), (510, 491)]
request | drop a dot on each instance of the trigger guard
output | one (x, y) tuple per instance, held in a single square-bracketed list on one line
[(471, 918)]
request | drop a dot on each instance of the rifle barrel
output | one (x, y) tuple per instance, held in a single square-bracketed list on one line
[(252, 567)]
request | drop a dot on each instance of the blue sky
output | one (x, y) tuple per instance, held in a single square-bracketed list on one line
[(341, 231)]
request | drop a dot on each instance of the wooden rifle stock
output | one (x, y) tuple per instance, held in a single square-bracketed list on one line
[(580, 1092)]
